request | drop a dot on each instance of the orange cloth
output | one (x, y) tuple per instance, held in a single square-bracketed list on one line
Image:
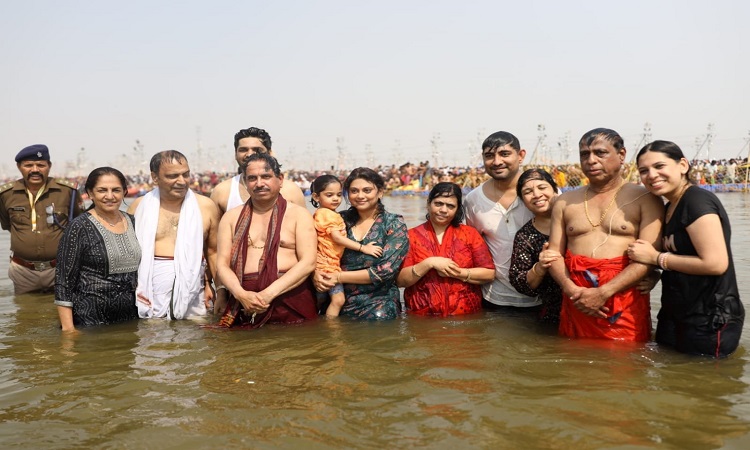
[(629, 311), (328, 222)]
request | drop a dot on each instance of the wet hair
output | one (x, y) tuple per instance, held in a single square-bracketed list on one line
[(448, 189), (165, 157), (362, 173), (320, 184), (499, 139), (259, 133), (271, 163), (670, 149), (99, 172), (534, 174), (611, 136)]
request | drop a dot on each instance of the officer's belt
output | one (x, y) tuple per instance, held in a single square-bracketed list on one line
[(34, 265)]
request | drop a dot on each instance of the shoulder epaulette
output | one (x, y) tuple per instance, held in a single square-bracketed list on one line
[(6, 187), (66, 183)]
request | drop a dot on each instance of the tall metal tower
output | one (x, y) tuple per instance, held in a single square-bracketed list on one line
[(199, 149), (645, 139), (341, 156), (435, 143), (563, 145), (709, 140), (540, 146), (139, 159), (706, 143)]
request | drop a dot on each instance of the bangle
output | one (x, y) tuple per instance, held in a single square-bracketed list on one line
[(360, 247), (338, 278), (468, 276), (414, 272), (533, 269), (661, 260)]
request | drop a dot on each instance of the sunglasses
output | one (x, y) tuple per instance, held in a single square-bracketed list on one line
[(51, 216)]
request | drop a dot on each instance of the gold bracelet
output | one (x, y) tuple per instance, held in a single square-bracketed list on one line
[(414, 272), (468, 275), (533, 269)]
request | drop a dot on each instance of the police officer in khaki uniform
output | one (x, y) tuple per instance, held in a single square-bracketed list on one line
[(35, 209)]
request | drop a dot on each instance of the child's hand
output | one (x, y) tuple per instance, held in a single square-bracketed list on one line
[(372, 250)]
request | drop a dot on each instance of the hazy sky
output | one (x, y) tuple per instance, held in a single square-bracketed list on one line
[(387, 77)]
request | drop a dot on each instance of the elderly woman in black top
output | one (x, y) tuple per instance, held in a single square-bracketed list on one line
[(97, 260)]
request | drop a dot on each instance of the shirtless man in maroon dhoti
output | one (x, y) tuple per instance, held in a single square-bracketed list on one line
[(266, 252)]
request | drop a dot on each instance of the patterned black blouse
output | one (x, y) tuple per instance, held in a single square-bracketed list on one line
[(97, 272), (527, 245)]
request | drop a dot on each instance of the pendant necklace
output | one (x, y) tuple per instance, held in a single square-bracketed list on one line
[(107, 221), (507, 210)]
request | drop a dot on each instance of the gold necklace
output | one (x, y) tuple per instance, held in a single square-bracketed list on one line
[(673, 205), (604, 214), (252, 245)]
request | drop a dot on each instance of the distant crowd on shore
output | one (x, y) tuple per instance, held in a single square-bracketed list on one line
[(410, 177)]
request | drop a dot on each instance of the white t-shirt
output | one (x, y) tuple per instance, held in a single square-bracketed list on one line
[(498, 227)]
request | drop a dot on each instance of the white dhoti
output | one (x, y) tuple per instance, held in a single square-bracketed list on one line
[(162, 302)]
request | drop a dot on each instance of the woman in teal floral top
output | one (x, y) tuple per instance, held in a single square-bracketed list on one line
[(369, 282)]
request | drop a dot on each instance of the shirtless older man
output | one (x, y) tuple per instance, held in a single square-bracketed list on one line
[(177, 231), (233, 192), (267, 250), (592, 226)]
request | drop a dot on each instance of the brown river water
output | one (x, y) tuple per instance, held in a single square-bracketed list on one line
[(481, 381)]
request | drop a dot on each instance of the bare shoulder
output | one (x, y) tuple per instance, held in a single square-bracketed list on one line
[(133, 206), (638, 193), (220, 193), (230, 217), (299, 214), (206, 203), (571, 196), (292, 192)]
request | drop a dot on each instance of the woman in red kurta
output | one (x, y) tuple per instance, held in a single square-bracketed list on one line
[(447, 261)]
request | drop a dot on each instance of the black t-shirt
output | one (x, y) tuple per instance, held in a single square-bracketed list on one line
[(698, 299)]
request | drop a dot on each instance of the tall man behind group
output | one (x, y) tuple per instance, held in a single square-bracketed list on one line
[(233, 192), (177, 231), (497, 213), (593, 226), (35, 209)]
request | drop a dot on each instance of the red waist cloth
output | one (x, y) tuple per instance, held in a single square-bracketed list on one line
[(294, 306), (629, 311)]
